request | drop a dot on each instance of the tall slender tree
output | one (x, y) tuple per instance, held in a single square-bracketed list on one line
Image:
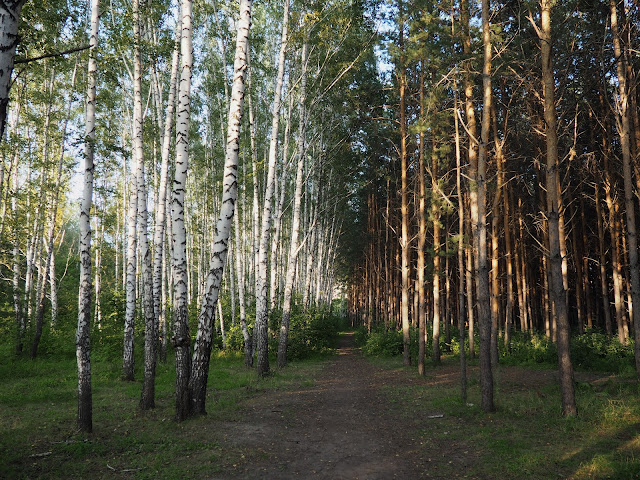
[(206, 319), (83, 352), (295, 223), (181, 339), (262, 307), (557, 291), (479, 220), (9, 22), (624, 130)]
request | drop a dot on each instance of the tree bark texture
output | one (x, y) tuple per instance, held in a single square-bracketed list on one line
[(556, 287), (181, 339), (206, 318), (262, 306), (83, 350)]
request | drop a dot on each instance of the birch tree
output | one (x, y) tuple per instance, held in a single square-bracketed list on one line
[(295, 222), (262, 306), (206, 318), (181, 339), (161, 202), (83, 355), (132, 226), (9, 22)]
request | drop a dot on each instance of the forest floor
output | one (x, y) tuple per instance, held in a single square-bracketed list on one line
[(360, 419), (341, 427), (342, 416)]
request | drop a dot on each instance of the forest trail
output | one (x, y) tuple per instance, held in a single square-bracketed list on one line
[(343, 426)]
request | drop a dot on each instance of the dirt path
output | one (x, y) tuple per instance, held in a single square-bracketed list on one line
[(341, 427)]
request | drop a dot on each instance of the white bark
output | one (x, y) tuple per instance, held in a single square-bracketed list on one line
[(254, 165), (248, 351), (9, 21), (50, 237), (295, 223), (17, 307), (136, 200), (84, 294), (161, 201), (181, 339), (204, 337), (262, 311)]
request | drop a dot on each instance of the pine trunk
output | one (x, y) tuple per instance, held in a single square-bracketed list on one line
[(556, 287), (404, 200), (422, 238), (435, 215), (461, 258), (478, 213), (629, 197)]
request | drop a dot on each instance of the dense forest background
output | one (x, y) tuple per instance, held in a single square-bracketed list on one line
[(463, 172)]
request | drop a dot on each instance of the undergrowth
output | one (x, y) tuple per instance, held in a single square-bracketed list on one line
[(591, 351)]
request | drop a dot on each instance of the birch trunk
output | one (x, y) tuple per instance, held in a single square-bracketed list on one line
[(161, 201), (9, 22), (204, 338), (255, 224), (50, 237), (130, 286), (181, 339), (248, 350), (295, 223), (17, 307), (262, 307), (147, 400), (85, 404)]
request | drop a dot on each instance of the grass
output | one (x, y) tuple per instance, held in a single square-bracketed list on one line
[(39, 437), (526, 437)]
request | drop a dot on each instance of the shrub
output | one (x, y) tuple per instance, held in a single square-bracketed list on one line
[(528, 349), (310, 332), (383, 343), (599, 352)]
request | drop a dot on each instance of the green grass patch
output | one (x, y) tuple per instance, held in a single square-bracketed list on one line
[(38, 402), (526, 437)]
